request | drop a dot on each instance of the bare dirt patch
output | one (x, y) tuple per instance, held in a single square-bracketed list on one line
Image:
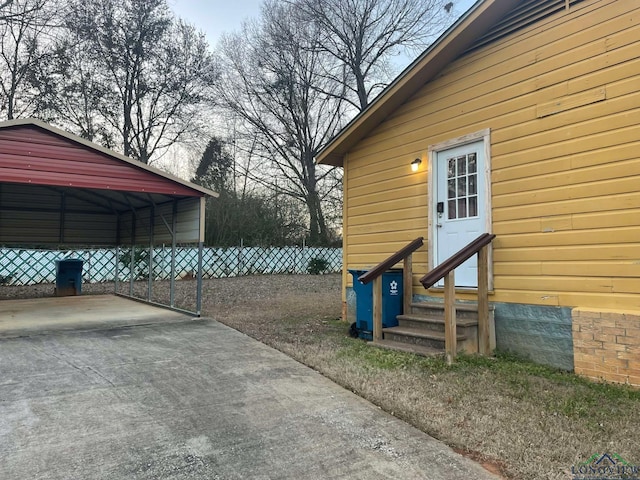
[(520, 420)]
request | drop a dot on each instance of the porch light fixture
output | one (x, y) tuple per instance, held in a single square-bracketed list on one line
[(415, 165)]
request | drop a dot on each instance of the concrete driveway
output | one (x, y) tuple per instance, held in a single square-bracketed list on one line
[(30, 316), (193, 399)]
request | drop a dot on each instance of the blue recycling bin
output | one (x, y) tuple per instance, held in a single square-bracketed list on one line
[(391, 301), (68, 277)]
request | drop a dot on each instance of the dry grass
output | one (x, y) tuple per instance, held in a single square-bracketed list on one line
[(525, 420), (529, 421)]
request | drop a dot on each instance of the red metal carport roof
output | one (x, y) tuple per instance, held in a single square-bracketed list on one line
[(35, 153)]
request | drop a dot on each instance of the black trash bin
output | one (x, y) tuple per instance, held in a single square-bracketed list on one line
[(68, 277), (392, 294)]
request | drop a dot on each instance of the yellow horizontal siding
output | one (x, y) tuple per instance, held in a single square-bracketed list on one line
[(561, 192), (505, 107), (363, 170), (598, 300), (369, 260), (386, 206), (554, 284), (522, 40), (386, 190), (517, 78), (622, 98), (568, 253), (572, 237), (591, 220), (521, 181), (407, 227), (586, 133), (367, 254), (565, 187), (386, 216), (583, 268), (583, 205), (594, 22), (360, 179)]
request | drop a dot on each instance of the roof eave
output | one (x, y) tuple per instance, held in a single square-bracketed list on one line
[(436, 57)]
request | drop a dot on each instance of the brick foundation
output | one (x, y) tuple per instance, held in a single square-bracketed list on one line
[(606, 345)]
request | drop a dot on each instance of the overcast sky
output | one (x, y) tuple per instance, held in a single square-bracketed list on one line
[(215, 16)]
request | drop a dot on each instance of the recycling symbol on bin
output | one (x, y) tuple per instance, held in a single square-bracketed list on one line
[(393, 288)]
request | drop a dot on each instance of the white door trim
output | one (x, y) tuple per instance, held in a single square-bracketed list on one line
[(481, 135)]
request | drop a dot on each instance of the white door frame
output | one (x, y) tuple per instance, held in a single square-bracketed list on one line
[(482, 135)]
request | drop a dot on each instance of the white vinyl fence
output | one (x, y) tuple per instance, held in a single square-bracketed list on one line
[(29, 267)]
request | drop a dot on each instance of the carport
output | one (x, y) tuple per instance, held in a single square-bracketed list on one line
[(60, 190)]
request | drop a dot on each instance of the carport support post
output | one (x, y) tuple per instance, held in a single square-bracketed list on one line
[(117, 270), (150, 280), (200, 248), (134, 218), (172, 281), (132, 254), (199, 292)]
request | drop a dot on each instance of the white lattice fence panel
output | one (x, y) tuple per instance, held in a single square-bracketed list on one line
[(28, 267)]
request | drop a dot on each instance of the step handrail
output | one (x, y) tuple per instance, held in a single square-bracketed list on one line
[(456, 259), (389, 262), (374, 275), (446, 270)]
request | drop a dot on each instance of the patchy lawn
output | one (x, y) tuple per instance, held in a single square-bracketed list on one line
[(523, 419)]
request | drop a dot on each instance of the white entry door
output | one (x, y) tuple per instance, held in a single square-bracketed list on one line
[(460, 206)]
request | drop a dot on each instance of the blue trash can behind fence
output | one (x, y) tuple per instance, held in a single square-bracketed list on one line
[(391, 301), (68, 277)]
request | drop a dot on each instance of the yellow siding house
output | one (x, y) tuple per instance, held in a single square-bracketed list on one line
[(525, 116)]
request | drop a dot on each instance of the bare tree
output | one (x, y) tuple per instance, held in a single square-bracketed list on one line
[(363, 35), (271, 78), (131, 73), (9, 12), (25, 27), (254, 216), (71, 94)]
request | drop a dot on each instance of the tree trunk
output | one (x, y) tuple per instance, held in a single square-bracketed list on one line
[(318, 234)]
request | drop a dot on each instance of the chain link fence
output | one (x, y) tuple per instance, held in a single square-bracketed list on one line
[(30, 267)]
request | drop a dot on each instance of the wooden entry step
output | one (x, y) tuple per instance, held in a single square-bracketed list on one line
[(407, 347), (424, 327)]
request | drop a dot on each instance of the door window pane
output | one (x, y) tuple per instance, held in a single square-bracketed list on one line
[(472, 163), (452, 209), (462, 166), (473, 206), (462, 208), (451, 168), (473, 187), (462, 186), (452, 189)]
